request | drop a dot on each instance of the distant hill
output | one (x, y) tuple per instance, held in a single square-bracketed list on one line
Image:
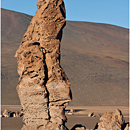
[(93, 55)]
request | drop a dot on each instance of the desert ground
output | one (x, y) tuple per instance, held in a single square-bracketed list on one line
[(79, 117)]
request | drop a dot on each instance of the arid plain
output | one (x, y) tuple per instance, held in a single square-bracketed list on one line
[(79, 117), (94, 57)]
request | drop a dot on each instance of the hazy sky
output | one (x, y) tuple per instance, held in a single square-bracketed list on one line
[(114, 12)]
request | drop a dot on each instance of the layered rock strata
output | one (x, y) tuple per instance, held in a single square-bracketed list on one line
[(43, 88)]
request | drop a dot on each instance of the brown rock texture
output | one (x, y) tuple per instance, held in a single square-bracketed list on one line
[(127, 127), (6, 113), (43, 88), (112, 121)]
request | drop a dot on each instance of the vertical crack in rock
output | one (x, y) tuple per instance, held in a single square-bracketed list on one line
[(43, 88), (44, 83)]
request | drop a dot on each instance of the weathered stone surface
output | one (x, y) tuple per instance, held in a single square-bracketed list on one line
[(14, 114), (6, 113), (127, 127), (43, 88), (91, 114), (70, 112), (17, 114), (79, 127), (111, 121)]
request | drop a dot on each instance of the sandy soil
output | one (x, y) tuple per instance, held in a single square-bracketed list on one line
[(79, 116)]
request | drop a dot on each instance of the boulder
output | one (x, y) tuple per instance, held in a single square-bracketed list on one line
[(111, 121), (6, 113), (17, 113), (79, 127), (91, 114)]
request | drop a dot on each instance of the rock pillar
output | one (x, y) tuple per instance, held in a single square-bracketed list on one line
[(43, 88)]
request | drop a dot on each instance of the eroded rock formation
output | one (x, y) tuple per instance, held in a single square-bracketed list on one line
[(6, 113), (43, 88), (112, 121)]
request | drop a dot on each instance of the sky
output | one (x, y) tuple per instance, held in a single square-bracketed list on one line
[(115, 12)]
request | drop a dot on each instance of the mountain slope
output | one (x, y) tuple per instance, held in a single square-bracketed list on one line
[(94, 57)]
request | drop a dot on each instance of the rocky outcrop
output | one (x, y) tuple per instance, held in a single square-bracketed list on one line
[(111, 121), (6, 113), (43, 87)]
